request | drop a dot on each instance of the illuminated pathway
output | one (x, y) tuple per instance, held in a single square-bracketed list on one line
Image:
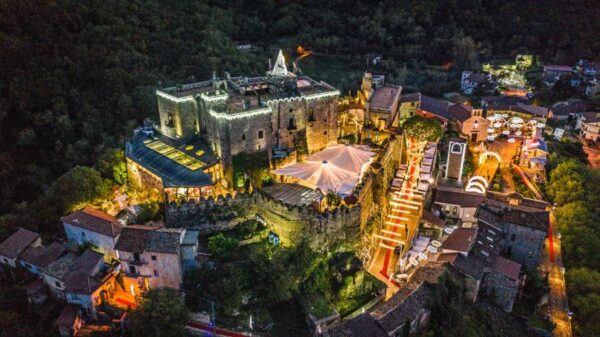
[(402, 220)]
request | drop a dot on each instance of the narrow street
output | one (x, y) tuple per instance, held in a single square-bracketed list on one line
[(552, 263)]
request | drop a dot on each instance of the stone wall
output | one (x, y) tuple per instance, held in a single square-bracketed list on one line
[(211, 214), (344, 228)]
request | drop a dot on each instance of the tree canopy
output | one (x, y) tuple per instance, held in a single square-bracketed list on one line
[(162, 313), (421, 129)]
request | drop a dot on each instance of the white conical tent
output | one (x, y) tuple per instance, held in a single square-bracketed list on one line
[(280, 68), (337, 169)]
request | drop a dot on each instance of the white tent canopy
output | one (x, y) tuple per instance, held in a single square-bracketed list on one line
[(338, 168)]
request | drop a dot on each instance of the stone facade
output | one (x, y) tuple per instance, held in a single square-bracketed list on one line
[(457, 150), (235, 115)]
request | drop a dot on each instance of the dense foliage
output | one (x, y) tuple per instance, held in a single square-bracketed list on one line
[(77, 76), (162, 313), (421, 129), (575, 189)]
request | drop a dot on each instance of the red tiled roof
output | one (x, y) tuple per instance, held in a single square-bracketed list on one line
[(432, 218), (94, 220), (384, 98), (458, 197), (42, 256), (450, 257), (461, 112), (508, 268), (17, 243), (460, 240)]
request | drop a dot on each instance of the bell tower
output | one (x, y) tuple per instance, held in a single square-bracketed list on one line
[(457, 150)]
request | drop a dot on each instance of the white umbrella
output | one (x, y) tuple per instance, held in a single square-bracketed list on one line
[(422, 256), (436, 243), (413, 261), (497, 125), (490, 130), (506, 132), (448, 230), (432, 249)]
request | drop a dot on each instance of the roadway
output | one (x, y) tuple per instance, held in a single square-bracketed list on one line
[(557, 302)]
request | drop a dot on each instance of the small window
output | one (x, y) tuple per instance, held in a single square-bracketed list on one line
[(243, 136), (325, 133), (261, 134), (513, 237), (132, 270), (153, 257), (83, 234), (156, 273), (57, 284)]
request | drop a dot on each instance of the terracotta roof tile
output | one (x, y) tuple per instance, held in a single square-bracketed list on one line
[(507, 267), (94, 220), (15, 244), (461, 240), (384, 98), (458, 197), (42, 256)]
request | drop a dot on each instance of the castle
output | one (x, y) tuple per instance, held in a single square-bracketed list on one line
[(204, 125)]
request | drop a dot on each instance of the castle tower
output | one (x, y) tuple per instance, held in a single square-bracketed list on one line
[(457, 150)]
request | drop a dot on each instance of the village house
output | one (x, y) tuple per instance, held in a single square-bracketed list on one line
[(36, 258), (150, 257), (89, 225), (588, 124), (471, 123), (453, 203), (472, 81), (382, 101), (16, 244), (553, 72), (570, 108), (419, 104), (523, 229)]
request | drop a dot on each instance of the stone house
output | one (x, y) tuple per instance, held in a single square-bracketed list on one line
[(456, 204), (471, 123), (36, 258), (428, 107), (523, 230), (150, 257), (93, 226), (503, 282), (16, 244), (382, 101), (588, 124)]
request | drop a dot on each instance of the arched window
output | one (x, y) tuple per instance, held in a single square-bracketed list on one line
[(261, 134), (456, 148)]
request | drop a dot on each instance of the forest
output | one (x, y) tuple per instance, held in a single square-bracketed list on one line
[(78, 76)]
